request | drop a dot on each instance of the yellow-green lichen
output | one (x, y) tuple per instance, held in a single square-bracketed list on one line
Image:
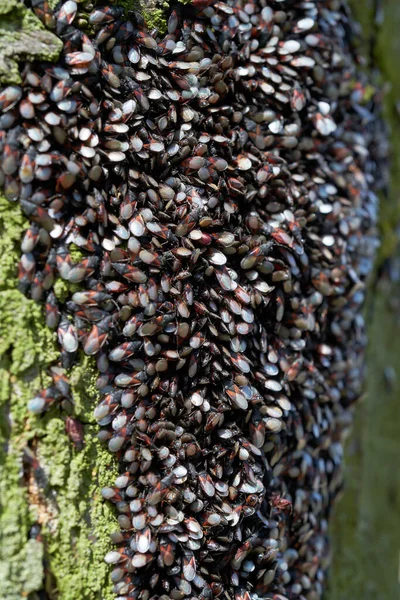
[(157, 21), (65, 499), (76, 253), (63, 289), (155, 14)]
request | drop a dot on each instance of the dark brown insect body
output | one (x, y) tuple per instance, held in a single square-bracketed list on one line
[(75, 432)]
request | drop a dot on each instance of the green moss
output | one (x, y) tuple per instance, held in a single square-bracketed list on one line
[(84, 521), (16, 223), (156, 20), (65, 499), (155, 13), (128, 5), (23, 37), (63, 289), (76, 253)]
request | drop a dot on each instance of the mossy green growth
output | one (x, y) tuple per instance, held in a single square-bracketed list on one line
[(76, 253), (155, 13), (61, 492), (76, 551), (156, 20), (63, 289), (23, 37)]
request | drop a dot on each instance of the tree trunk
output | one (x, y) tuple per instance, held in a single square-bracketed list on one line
[(54, 524), (366, 526)]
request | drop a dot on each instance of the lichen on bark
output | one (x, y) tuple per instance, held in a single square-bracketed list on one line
[(22, 37), (62, 495), (64, 555), (154, 11)]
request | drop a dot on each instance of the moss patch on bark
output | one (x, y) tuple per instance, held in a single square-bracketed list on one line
[(44, 480), (22, 37)]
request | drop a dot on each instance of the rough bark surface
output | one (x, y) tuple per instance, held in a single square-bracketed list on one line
[(22, 37), (54, 525)]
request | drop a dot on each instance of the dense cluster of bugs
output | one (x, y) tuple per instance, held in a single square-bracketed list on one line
[(207, 197)]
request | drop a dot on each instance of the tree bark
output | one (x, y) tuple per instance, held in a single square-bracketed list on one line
[(366, 526), (54, 525)]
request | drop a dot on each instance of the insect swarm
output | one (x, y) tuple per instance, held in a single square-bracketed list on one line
[(218, 183)]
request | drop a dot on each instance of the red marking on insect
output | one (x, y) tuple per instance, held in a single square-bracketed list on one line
[(144, 39), (63, 262), (167, 552), (90, 297), (187, 223), (280, 504), (66, 15), (109, 401), (10, 159), (97, 337), (105, 33), (31, 459), (48, 275), (213, 420), (242, 595), (65, 181), (241, 553), (282, 237), (60, 380), (200, 308), (75, 432), (189, 566), (44, 400), (294, 370), (83, 269), (130, 273), (52, 311), (217, 588), (67, 335), (26, 272), (236, 187), (200, 4), (43, 11), (38, 214), (37, 288), (297, 99)]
